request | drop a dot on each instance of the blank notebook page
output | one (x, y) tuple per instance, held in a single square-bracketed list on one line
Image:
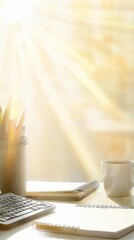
[(104, 220)]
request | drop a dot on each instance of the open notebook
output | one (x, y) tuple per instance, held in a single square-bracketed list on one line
[(89, 220)]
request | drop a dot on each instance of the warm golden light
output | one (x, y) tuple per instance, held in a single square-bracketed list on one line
[(70, 64), (14, 11)]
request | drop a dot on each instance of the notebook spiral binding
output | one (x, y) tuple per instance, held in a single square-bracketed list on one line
[(104, 206), (55, 227)]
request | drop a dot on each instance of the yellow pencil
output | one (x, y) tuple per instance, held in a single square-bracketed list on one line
[(20, 124), (0, 115), (1, 134), (11, 130), (6, 118)]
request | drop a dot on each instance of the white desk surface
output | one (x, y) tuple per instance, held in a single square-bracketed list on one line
[(26, 231)]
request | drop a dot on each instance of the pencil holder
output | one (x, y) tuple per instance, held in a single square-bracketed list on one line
[(13, 166)]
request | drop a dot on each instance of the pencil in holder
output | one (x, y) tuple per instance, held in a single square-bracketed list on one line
[(13, 166)]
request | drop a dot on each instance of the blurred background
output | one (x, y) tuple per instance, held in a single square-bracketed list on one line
[(70, 65)]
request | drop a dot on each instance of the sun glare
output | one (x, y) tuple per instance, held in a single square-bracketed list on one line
[(65, 60), (15, 11)]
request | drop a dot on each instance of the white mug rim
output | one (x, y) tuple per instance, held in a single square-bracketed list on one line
[(117, 161)]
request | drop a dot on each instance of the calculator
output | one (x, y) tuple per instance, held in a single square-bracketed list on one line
[(15, 209)]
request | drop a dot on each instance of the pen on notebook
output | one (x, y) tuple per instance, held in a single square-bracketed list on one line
[(89, 187)]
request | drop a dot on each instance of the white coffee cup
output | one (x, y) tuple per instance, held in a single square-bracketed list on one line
[(118, 177)]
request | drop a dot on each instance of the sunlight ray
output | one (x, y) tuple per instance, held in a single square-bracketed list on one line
[(88, 83), (77, 58), (25, 74), (68, 125), (4, 48), (83, 14)]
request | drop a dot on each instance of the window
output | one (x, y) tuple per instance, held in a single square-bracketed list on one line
[(70, 64)]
